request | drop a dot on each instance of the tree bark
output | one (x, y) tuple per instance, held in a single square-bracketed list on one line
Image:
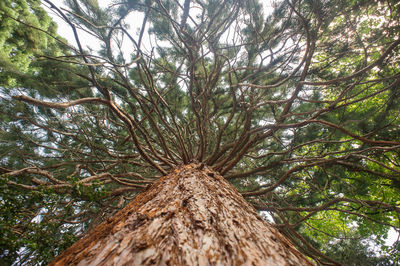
[(191, 216)]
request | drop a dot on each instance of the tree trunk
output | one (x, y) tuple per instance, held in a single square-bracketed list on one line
[(190, 217)]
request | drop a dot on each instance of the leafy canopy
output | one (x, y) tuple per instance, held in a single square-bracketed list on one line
[(295, 102)]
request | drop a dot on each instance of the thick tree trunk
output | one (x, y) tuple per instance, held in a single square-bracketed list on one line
[(190, 217)]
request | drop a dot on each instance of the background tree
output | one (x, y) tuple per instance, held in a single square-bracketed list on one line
[(298, 109), (27, 35)]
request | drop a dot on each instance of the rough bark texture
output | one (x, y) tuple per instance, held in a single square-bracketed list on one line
[(190, 217)]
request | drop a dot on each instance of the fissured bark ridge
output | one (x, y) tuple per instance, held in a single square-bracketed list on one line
[(191, 216)]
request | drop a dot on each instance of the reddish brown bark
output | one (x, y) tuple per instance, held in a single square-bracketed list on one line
[(190, 217)]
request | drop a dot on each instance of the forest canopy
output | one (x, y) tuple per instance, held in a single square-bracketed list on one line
[(294, 102)]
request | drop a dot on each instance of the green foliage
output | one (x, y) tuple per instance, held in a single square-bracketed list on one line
[(298, 109), (26, 30), (28, 226), (354, 250)]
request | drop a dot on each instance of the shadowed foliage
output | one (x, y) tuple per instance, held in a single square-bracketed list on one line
[(296, 103)]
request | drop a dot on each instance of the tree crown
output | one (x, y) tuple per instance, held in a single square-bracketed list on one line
[(297, 108)]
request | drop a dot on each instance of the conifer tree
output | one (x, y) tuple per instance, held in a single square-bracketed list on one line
[(295, 103)]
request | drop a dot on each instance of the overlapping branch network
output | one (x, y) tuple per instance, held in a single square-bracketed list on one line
[(298, 108)]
